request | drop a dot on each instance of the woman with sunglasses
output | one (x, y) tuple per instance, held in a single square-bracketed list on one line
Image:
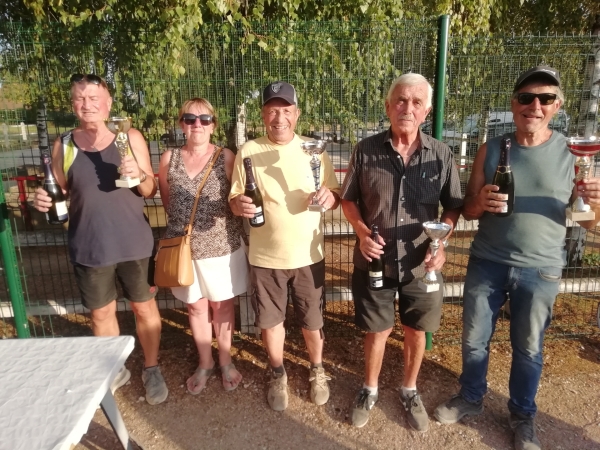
[(219, 259)]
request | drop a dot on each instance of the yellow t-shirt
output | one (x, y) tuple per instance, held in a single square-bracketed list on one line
[(292, 235)]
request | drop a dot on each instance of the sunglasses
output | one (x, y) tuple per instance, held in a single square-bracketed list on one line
[(190, 119), (90, 78), (526, 98)]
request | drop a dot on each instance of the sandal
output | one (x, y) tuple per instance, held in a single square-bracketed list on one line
[(198, 374), (227, 378)]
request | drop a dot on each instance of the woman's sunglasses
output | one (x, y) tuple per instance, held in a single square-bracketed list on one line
[(526, 98), (90, 78), (190, 119)]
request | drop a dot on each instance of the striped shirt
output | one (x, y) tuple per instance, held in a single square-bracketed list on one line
[(399, 199)]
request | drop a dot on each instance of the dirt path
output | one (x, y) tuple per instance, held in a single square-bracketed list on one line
[(568, 402)]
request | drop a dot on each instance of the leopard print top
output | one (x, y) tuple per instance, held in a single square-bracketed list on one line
[(216, 231)]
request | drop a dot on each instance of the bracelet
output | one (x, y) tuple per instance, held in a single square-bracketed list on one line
[(143, 177)]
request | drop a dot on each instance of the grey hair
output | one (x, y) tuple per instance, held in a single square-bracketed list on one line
[(410, 79)]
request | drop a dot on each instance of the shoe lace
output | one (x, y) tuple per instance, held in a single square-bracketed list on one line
[(277, 383), (415, 403), (526, 430), (363, 398), (320, 378), (153, 378)]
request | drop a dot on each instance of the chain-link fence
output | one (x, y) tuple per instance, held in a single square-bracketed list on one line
[(341, 71)]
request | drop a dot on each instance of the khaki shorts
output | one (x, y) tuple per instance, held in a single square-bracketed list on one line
[(270, 295), (98, 288)]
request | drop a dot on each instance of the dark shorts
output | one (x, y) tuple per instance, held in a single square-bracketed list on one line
[(374, 310), (270, 295), (98, 288)]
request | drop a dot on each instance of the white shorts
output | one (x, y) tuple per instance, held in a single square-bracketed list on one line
[(217, 279)]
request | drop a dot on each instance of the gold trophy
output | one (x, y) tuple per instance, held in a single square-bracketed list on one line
[(314, 149), (120, 126), (584, 149)]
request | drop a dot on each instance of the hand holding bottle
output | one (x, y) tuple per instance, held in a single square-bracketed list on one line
[(371, 247)]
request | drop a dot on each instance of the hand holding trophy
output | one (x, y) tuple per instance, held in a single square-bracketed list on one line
[(120, 126), (435, 230), (314, 149), (584, 149)]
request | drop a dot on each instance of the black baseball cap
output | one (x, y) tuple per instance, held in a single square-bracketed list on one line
[(545, 72), (282, 90)]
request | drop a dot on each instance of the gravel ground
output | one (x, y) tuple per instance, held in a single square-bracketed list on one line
[(568, 401)]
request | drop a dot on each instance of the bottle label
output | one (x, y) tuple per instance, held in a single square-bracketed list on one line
[(259, 217), (375, 279), (61, 208)]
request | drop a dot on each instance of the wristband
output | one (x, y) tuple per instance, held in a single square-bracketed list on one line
[(143, 177)]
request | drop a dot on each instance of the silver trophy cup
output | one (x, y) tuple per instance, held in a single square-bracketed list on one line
[(435, 230), (120, 126), (314, 149), (584, 149)]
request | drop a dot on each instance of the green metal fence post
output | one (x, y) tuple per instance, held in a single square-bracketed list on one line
[(13, 280), (439, 93)]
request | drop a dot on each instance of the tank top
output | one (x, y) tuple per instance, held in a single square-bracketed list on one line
[(107, 224), (215, 231), (534, 235)]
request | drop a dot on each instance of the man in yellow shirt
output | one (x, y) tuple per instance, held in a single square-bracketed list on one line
[(288, 250)]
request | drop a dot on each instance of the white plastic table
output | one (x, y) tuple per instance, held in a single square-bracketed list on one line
[(51, 388)]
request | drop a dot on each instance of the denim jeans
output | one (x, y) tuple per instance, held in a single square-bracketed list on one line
[(532, 292)]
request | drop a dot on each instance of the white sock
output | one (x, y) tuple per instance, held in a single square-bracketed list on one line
[(372, 390), (409, 392)]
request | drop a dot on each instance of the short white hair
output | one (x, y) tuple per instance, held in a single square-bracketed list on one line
[(411, 79)]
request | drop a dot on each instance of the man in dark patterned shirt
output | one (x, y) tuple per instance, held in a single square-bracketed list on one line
[(396, 180)]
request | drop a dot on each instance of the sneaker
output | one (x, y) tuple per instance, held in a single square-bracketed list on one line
[(319, 389), (363, 403), (156, 388), (122, 377), (416, 414), (456, 408), (525, 435), (278, 394)]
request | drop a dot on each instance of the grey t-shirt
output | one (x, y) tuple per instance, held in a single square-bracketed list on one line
[(534, 235)]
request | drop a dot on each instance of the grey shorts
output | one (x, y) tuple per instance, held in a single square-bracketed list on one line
[(375, 311), (98, 288), (270, 295)]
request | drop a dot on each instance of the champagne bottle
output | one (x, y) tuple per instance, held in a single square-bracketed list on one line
[(57, 213), (253, 192), (503, 178), (375, 266)]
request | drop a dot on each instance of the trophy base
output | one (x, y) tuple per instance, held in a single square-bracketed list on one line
[(429, 287), (317, 208), (129, 183), (577, 216)]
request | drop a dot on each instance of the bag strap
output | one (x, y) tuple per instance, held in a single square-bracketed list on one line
[(188, 228)]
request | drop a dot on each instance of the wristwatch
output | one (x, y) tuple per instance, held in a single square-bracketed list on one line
[(143, 177)]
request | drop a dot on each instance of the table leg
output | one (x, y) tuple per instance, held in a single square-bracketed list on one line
[(111, 412)]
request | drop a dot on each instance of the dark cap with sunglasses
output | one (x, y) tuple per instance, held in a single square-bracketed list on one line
[(282, 90), (538, 72)]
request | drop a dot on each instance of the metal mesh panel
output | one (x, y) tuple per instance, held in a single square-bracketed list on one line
[(341, 71)]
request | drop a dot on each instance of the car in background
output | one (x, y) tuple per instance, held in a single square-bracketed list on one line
[(464, 138)]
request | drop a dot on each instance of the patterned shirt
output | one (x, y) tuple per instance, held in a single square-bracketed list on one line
[(399, 199), (216, 231)]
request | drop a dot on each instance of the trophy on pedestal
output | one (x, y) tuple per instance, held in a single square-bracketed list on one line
[(584, 149), (314, 149), (120, 126), (435, 230)]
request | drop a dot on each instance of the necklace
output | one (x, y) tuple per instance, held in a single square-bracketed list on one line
[(93, 146)]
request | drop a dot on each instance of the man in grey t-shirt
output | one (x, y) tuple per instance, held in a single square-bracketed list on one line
[(520, 256)]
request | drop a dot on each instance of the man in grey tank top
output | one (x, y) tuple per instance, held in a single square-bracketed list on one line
[(519, 257), (109, 236)]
